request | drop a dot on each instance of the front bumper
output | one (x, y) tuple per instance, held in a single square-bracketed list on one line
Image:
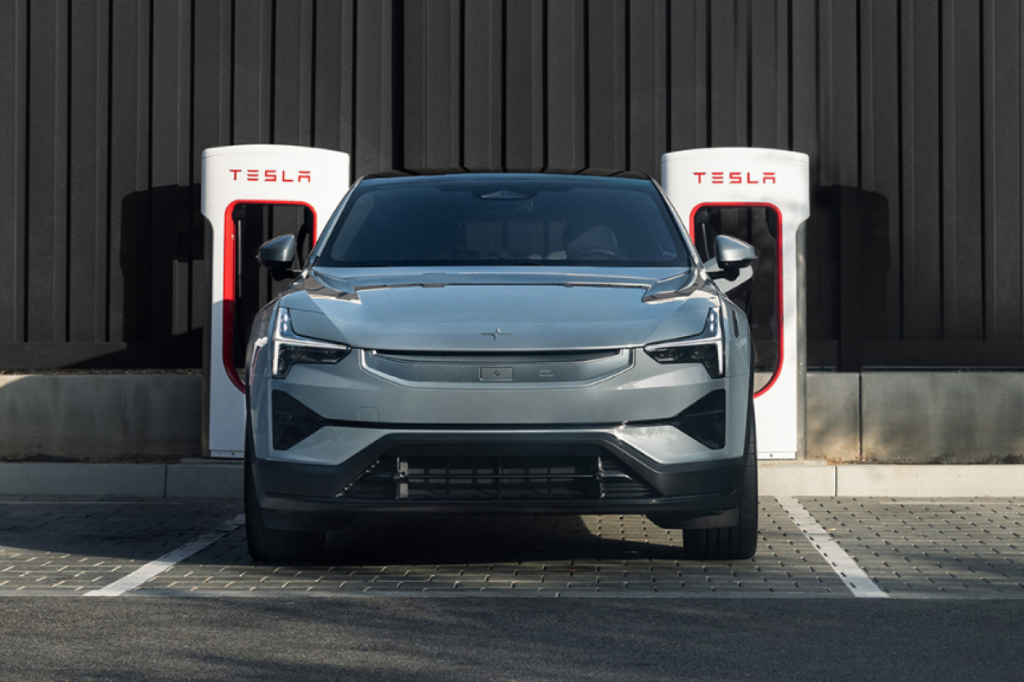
[(461, 443), (308, 496)]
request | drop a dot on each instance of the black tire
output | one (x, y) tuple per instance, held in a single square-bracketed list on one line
[(272, 545), (738, 541)]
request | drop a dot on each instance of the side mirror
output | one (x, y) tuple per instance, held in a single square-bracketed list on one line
[(732, 255), (277, 256)]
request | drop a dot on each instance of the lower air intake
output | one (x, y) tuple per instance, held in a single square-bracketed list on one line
[(457, 474), (704, 421)]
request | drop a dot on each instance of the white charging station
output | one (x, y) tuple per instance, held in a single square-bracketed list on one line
[(250, 174), (775, 180)]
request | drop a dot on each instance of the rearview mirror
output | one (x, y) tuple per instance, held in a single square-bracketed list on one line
[(732, 254), (277, 255)]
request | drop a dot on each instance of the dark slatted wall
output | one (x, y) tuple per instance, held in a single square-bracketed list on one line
[(910, 111)]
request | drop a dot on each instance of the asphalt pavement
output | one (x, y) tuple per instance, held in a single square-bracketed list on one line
[(620, 639)]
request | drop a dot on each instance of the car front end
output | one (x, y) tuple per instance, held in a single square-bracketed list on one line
[(525, 383)]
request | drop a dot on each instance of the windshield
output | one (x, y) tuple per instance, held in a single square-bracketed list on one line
[(503, 218)]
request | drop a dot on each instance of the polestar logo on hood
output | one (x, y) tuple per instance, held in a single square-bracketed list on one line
[(496, 333)]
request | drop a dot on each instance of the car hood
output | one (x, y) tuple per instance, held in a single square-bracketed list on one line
[(498, 311)]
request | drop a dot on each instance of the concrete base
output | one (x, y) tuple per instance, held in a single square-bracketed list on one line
[(100, 417), (833, 416), (799, 479), (916, 417), (942, 417)]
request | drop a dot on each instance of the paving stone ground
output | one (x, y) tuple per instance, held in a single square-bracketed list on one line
[(567, 554), (910, 548), (914, 547), (72, 546)]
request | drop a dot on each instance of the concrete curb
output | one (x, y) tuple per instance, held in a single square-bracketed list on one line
[(796, 479), (892, 480), (35, 478), (930, 480), (206, 479)]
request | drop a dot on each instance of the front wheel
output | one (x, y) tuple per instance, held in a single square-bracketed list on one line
[(740, 540), (273, 545)]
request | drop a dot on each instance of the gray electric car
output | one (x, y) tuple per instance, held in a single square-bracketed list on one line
[(481, 343)]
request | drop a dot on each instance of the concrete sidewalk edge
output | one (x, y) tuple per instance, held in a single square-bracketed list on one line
[(206, 479), (209, 479)]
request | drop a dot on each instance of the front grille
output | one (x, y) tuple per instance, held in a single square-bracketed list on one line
[(461, 473), (472, 368)]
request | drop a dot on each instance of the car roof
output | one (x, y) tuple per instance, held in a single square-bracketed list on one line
[(601, 172)]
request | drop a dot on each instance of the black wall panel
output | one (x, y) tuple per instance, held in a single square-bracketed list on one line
[(1001, 219), (910, 110), (565, 76)]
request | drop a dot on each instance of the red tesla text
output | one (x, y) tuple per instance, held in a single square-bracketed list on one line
[(736, 177), (257, 175)]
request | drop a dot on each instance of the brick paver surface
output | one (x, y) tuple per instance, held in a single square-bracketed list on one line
[(915, 547), (73, 546), (557, 554), (911, 548)]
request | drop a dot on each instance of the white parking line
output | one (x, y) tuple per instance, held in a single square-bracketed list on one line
[(155, 568), (841, 562)]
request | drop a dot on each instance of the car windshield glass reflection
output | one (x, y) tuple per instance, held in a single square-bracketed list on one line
[(501, 219)]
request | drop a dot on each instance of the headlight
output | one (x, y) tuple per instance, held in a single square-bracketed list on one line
[(705, 348), (291, 349)]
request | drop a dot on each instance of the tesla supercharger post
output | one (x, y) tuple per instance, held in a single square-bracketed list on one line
[(251, 174), (775, 184)]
